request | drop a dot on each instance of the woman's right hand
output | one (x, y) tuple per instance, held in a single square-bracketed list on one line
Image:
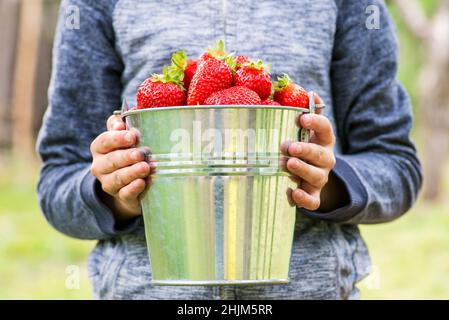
[(122, 169)]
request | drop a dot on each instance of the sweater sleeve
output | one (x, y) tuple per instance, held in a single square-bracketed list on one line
[(85, 88), (378, 165)]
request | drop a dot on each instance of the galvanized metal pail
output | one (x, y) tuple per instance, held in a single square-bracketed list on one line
[(217, 211)]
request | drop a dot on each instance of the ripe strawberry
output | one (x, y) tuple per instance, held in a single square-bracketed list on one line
[(288, 93), (254, 76), (189, 72), (234, 96), (240, 61), (204, 56), (160, 90), (211, 76), (269, 102)]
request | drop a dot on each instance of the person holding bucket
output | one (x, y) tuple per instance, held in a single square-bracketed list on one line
[(360, 167)]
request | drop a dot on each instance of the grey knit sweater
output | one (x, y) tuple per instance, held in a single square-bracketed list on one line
[(323, 44)]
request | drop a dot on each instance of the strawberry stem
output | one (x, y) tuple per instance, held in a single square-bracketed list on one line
[(179, 59), (257, 65), (218, 51), (283, 81), (170, 75), (230, 61)]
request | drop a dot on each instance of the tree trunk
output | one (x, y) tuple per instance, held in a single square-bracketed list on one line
[(24, 78), (43, 72), (9, 11), (435, 102)]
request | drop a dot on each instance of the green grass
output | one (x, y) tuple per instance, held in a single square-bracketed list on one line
[(33, 256), (410, 256)]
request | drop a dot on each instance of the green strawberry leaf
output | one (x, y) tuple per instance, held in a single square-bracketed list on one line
[(283, 81)]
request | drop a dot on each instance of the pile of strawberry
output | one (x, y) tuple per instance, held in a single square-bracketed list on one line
[(219, 78)]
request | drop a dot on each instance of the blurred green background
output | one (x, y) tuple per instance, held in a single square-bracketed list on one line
[(410, 256)]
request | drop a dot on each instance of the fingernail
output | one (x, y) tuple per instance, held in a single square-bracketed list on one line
[(129, 137), (144, 166), (297, 148), (297, 164), (136, 155), (298, 194), (285, 146), (306, 119), (136, 133), (294, 163)]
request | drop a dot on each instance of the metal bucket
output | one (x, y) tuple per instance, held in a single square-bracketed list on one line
[(217, 211)]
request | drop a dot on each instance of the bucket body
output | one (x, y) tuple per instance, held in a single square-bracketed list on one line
[(217, 210)]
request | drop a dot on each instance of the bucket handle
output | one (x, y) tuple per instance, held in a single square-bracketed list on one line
[(121, 112), (304, 134)]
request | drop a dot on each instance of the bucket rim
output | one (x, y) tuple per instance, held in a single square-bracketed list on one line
[(209, 107)]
